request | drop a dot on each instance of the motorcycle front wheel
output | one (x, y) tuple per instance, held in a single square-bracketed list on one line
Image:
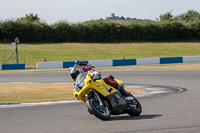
[(101, 112)]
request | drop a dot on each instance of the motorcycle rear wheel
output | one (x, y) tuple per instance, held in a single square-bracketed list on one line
[(101, 112), (135, 108)]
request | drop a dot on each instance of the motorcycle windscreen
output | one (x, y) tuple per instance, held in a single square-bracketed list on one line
[(80, 81)]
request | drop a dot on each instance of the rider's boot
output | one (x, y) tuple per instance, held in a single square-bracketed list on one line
[(123, 91)]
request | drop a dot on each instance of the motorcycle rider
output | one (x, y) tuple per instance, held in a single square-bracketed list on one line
[(78, 68), (96, 75), (77, 62), (85, 67), (110, 80)]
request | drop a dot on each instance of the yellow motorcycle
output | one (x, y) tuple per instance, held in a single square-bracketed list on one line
[(103, 100)]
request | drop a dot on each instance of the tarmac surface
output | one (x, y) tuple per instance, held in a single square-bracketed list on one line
[(176, 112)]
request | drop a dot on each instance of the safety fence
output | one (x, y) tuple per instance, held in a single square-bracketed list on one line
[(107, 63), (121, 62), (12, 66)]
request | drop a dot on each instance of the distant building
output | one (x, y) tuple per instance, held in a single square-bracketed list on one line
[(112, 17), (122, 19)]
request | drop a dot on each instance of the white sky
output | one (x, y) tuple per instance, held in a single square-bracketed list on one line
[(82, 10)]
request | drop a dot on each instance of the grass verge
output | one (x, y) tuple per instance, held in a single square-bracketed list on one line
[(32, 53), (14, 93)]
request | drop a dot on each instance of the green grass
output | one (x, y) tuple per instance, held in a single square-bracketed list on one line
[(33, 53), (14, 93)]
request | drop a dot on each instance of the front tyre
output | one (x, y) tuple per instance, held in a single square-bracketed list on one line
[(135, 107), (101, 112)]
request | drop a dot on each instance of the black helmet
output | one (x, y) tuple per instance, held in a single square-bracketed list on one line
[(111, 77), (75, 71)]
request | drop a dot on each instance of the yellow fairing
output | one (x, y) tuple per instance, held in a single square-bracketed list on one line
[(99, 85), (119, 81)]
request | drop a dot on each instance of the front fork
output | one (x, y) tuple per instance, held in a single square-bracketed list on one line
[(94, 94)]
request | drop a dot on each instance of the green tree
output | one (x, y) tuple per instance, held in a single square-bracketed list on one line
[(189, 16), (166, 17), (62, 31), (29, 17)]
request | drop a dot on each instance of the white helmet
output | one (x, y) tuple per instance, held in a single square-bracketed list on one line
[(96, 75)]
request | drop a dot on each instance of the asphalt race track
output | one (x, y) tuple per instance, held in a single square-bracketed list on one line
[(176, 112)]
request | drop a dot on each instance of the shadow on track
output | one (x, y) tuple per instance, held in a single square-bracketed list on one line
[(141, 117)]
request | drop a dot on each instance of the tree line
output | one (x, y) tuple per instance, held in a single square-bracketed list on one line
[(168, 27)]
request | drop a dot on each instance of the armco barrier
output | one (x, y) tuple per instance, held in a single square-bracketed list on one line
[(121, 62), (49, 65), (124, 62), (169, 60), (147, 61), (67, 64), (189, 59), (107, 63), (12, 66), (101, 63)]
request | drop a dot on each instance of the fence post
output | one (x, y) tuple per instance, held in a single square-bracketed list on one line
[(44, 60)]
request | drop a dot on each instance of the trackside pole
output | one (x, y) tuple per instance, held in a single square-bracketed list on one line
[(16, 41), (14, 44)]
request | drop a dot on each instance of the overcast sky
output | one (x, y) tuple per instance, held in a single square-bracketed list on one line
[(83, 10)]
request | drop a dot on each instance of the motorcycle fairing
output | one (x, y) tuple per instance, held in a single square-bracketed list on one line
[(116, 100), (98, 85)]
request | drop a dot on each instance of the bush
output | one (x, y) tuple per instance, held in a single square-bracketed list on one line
[(97, 31)]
